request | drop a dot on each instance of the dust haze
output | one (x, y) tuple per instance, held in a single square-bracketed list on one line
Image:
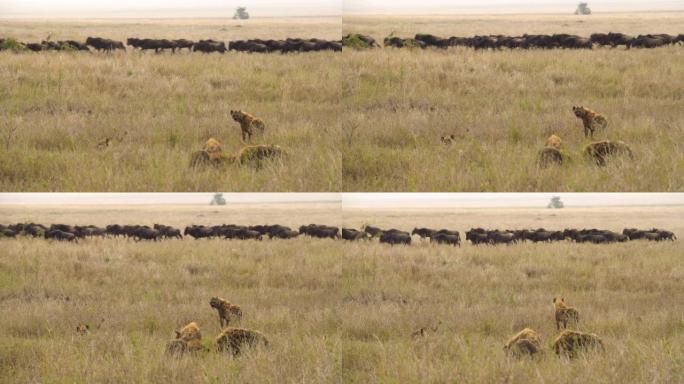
[(166, 9), (501, 6)]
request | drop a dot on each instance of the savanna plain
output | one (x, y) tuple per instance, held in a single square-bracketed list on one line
[(156, 109), (501, 106), (338, 311)]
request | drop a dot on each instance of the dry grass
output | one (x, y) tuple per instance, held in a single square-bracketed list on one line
[(340, 312), (469, 25), (502, 106), (290, 214), (61, 105), (49, 288), (221, 29)]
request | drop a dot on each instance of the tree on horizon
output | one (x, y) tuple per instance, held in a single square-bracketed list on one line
[(241, 13)]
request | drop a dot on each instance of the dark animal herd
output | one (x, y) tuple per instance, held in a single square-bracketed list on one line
[(561, 40), (476, 236), (205, 46)]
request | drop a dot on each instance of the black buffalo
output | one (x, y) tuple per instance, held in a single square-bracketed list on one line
[(353, 234), (60, 235), (198, 232), (286, 234), (146, 233), (168, 232), (394, 237), (209, 46), (101, 44), (444, 238)]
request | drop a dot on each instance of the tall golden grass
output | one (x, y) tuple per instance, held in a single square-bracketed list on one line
[(342, 312), (158, 108), (502, 106)]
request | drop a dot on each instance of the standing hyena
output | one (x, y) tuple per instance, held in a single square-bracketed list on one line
[(226, 310), (564, 313), (247, 124), (590, 119)]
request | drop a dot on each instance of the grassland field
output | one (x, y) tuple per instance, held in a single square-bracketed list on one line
[(158, 108), (502, 106), (359, 121), (335, 311)]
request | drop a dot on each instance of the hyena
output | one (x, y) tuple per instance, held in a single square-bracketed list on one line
[(564, 313), (591, 120), (248, 123), (226, 310), (234, 339), (526, 341)]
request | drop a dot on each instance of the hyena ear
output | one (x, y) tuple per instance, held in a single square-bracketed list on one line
[(177, 335), (87, 326)]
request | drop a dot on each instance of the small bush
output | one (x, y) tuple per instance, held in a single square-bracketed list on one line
[(11, 44), (355, 41)]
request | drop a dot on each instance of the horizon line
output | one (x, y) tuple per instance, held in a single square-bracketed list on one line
[(409, 13)]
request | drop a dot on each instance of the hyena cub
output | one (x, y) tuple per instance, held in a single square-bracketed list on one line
[(591, 120), (226, 310), (564, 313), (248, 123)]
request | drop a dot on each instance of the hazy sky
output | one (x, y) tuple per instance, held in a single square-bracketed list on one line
[(503, 6), (503, 200), (271, 8), (166, 8), (358, 200)]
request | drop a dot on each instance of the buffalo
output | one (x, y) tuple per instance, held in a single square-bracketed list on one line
[(353, 234), (168, 232), (285, 234), (6, 232), (60, 235), (394, 237), (146, 233), (444, 238), (209, 46), (372, 231), (319, 231), (423, 232), (198, 232), (107, 45)]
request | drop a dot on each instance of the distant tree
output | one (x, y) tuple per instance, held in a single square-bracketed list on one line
[(583, 9), (218, 199), (241, 13), (555, 202)]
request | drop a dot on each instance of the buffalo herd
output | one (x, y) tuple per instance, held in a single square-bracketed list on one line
[(205, 46), (560, 40), (597, 236), (476, 236), (526, 41)]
